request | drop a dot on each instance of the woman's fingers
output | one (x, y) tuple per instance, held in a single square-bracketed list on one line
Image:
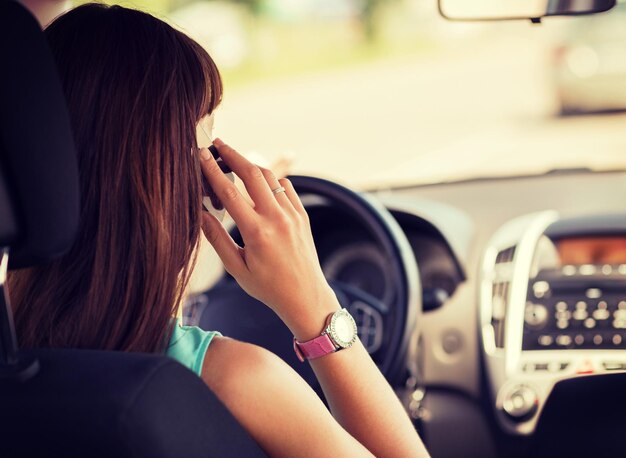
[(275, 185), (254, 186), (225, 247), (253, 177), (293, 197), (226, 191)]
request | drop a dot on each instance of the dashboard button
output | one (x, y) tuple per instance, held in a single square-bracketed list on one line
[(536, 315), (616, 339), (569, 270), (619, 319), (541, 288), (562, 324), (580, 314), (520, 403), (590, 323), (562, 314), (579, 339), (587, 269), (555, 366), (597, 339), (613, 366), (593, 293), (545, 340), (585, 368), (552, 366), (600, 314), (602, 311), (563, 340)]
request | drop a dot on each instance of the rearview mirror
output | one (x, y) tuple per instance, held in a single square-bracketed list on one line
[(490, 10)]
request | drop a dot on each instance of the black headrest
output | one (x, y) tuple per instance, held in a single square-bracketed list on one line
[(39, 204)]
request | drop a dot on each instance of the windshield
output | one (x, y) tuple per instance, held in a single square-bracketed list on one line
[(377, 93)]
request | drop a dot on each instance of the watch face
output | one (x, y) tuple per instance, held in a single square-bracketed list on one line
[(343, 328)]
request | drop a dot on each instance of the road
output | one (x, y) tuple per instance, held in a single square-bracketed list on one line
[(479, 107)]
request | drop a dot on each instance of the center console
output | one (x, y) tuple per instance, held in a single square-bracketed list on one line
[(552, 307)]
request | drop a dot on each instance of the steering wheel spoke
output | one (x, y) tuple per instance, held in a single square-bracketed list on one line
[(368, 312)]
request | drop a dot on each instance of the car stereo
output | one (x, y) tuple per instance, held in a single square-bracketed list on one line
[(576, 307), (552, 307)]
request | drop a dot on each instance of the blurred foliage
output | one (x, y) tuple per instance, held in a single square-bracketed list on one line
[(369, 16), (279, 45), (253, 5), (158, 8)]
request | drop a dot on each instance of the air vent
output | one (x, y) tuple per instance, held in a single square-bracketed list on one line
[(505, 255), (500, 293)]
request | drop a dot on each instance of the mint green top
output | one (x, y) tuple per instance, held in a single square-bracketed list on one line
[(189, 344)]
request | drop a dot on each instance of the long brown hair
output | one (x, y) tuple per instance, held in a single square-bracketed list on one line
[(135, 89)]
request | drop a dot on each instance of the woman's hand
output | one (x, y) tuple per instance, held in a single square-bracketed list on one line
[(279, 264)]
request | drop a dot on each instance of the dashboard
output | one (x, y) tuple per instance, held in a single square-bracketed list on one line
[(552, 307), (533, 270)]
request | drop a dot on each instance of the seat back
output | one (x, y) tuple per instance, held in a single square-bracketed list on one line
[(84, 403), (75, 403)]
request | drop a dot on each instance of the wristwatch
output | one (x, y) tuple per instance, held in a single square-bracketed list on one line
[(339, 333)]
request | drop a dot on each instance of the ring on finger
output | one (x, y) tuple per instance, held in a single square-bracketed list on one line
[(278, 190)]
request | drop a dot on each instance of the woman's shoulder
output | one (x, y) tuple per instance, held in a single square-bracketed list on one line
[(229, 358)]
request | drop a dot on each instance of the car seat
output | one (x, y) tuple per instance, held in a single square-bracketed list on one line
[(63, 402)]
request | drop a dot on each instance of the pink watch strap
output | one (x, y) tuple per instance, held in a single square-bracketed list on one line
[(320, 346)]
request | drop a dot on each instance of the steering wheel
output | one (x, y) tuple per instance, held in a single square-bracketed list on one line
[(231, 311)]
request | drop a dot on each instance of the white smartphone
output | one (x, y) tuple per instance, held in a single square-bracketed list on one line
[(210, 201)]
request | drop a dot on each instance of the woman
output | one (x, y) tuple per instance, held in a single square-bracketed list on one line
[(137, 90)]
